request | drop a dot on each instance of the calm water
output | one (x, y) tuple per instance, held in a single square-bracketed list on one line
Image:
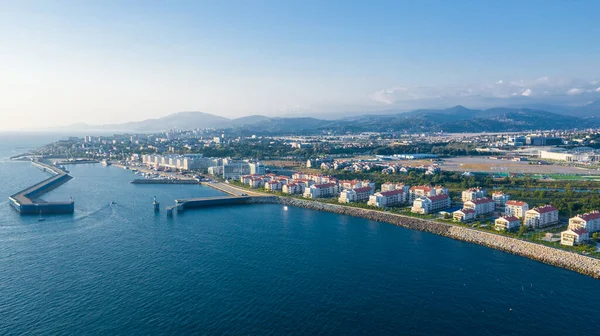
[(257, 270)]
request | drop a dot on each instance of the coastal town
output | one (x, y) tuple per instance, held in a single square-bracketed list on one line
[(426, 182), (365, 170)]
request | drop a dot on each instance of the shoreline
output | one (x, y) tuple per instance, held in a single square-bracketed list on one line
[(548, 255)]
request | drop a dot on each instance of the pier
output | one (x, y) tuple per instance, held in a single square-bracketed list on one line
[(28, 201)]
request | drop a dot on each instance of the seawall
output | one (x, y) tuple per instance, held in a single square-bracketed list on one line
[(548, 255), (27, 201)]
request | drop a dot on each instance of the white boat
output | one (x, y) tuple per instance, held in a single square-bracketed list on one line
[(40, 217), (285, 208)]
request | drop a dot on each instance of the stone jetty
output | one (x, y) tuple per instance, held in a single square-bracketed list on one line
[(549, 255)]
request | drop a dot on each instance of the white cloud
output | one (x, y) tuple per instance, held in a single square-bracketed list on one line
[(527, 93), (500, 82), (543, 79), (598, 89), (574, 91), (386, 96)]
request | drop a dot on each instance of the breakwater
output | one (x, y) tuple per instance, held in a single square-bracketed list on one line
[(549, 255), (27, 200)]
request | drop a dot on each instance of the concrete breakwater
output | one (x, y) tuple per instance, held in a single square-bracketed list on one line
[(27, 201), (549, 255)]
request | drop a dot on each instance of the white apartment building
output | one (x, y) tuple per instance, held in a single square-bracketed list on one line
[(473, 193), (425, 191), (540, 217), (464, 215), (293, 188), (393, 186), (321, 190), (273, 185), (481, 206), (355, 195), (507, 223), (516, 208), (431, 204), (384, 199), (573, 237), (588, 221)]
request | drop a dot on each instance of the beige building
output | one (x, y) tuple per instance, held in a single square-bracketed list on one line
[(472, 194), (516, 208), (573, 237), (588, 221), (481, 206), (541, 217), (464, 215), (507, 223)]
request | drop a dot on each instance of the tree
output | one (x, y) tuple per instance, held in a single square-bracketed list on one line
[(522, 230)]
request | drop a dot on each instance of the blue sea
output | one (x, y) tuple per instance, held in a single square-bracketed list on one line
[(255, 269)]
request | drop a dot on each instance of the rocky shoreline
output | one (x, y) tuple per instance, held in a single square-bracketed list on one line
[(548, 255)]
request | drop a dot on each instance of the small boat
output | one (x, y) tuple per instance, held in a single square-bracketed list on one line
[(285, 208), (40, 217), (113, 203)]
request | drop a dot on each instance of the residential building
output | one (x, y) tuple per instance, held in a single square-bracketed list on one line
[(355, 195), (507, 223), (464, 215), (273, 185), (516, 208), (426, 205), (481, 206), (473, 193), (588, 221), (540, 217), (500, 199), (323, 190), (257, 168), (425, 191), (384, 199), (573, 237)]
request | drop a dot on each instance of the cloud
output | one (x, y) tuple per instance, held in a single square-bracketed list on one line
[(527, 93), (543, 79), (387, 96), (500, 82), (598, 89), (574, 91)]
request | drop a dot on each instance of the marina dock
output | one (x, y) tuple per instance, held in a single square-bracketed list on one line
[(163, 181), (28, 201)]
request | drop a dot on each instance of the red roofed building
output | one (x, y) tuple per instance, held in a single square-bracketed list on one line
[(516, 208), (481, 206), (384, 199), (323, 190), (541, 217), (464, 215), (589, 221), (355, 195), (507, 223), (574, 236), (431, 204)]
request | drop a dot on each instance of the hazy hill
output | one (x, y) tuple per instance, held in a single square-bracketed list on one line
[(454, 119)]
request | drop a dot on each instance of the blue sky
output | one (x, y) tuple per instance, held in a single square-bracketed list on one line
[(115, 61)]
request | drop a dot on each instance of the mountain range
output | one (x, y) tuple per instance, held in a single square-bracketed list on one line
[(455, 119)]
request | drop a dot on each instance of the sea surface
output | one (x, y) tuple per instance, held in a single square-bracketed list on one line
[(255, 269)]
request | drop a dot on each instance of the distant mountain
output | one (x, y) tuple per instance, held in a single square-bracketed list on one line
[(455, 119), (591, 110)]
